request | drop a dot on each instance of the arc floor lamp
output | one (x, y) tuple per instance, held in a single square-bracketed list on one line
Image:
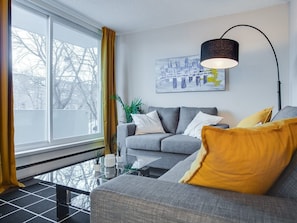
[(223, 53)]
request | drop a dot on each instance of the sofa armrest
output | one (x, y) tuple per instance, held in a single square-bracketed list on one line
[(136, 199), (123, 131)]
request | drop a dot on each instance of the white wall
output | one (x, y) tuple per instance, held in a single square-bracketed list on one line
[(251, 86), (293, 51)]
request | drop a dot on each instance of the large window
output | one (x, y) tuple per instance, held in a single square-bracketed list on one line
[(57, 88)]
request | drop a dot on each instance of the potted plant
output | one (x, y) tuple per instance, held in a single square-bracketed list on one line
[(133, 108)]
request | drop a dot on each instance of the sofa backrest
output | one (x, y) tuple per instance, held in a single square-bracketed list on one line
[(286, 184), (168, 117), (286, 112), (187, 114)]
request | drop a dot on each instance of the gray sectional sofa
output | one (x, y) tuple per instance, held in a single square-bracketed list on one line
[(130, 198), (171, 146)]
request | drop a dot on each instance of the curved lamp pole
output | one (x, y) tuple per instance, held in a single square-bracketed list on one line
[(223, 53)]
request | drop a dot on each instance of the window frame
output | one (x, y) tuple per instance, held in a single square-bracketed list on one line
[(90, 140)]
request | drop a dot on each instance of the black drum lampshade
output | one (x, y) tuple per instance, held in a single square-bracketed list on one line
[(219, 53)]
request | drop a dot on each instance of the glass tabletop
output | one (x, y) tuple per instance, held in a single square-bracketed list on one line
[(83, 177)]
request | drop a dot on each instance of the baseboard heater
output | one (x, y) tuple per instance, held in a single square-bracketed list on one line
[(26, 172)]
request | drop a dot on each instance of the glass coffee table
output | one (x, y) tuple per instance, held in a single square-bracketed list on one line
[(81, 178)]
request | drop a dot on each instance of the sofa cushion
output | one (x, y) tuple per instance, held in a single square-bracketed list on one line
[(168, 116), (286, 112), (147, 123), (146, 142), (187, 114), (180, 144), (247, 160), (259, 117), (286, 184)]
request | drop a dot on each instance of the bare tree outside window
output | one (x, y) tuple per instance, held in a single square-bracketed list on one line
[(74, 94)]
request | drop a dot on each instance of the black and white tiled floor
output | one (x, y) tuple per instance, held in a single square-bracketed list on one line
[(36, 204)]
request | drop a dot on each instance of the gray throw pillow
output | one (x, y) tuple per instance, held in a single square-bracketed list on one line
[(168, 117)]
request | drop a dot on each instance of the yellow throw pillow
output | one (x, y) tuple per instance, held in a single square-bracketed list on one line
[(254, 119), (246, 160)]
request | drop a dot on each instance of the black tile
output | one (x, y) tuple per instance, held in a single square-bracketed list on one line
[(35, 187), (31, 199), (6, 209), (17, 217), (53, 198), (27, 200), (13, 195), (38, 220), (52, 214), (47, 183), (46, 192), (41, 206), (79, 217), (30, 182)]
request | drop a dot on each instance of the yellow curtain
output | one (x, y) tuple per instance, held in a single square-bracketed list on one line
[(109, 89), (7, 159)]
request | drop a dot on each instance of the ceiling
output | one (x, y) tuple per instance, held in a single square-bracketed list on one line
[(126, 16)]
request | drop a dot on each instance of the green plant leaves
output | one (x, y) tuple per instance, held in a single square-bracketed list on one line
[(133, 108)]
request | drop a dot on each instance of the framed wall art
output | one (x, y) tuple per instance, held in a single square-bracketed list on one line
[(181, 74)]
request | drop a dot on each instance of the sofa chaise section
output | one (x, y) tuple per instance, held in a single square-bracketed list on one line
[(131, 198), (139, 199)]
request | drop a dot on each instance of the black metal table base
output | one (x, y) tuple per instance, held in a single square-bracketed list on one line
[(63, 200), (63, 193)]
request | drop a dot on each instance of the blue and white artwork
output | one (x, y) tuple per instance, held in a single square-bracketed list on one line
[(180, 74)]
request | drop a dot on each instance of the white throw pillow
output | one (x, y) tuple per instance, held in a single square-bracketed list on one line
[(147, 123), (200, 120)]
